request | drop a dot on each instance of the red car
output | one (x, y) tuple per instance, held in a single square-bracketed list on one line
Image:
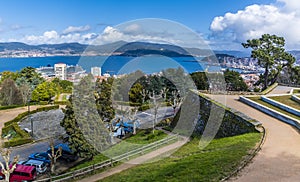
[(22, 173)]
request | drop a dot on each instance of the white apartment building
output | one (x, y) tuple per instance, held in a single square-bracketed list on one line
[(96, 71), (60, 70)]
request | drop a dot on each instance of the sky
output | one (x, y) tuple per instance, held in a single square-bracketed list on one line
[(223, 24)]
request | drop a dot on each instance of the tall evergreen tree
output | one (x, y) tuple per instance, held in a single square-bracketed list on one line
[(271, 55)]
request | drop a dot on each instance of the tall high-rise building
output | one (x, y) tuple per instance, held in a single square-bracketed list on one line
[(60, 70), (96, 71)]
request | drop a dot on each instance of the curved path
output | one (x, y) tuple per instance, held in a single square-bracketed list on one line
[(9, 114), (279, 159)]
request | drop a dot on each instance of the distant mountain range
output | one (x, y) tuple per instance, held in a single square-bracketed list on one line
[(17, 49)]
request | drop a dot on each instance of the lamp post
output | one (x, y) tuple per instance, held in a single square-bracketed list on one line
[(29, 99)]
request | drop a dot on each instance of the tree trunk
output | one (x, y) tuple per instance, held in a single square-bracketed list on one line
[(266, 76), (7, 175)]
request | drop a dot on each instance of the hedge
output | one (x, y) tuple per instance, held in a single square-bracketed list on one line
[(10, 107), (24, 114), (23, 137), (61, 102), (16, 142)]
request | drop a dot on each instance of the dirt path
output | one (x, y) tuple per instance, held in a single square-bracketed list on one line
[(279, 159), (134, 162), (7, 115)]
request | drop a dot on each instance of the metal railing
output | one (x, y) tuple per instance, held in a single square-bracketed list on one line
[(89, 169)]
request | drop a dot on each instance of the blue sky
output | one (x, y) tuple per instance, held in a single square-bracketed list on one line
[(223, 23)]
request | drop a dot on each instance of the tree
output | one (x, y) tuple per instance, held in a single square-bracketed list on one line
[(87, 132), (31, 76), (44, 91), (8, 74), (234, 81), (200, 80), (24, 87), (8, 168), (54, 155), (76, 140), (271, 55), (103, 96), (135, 93), (9, 93)]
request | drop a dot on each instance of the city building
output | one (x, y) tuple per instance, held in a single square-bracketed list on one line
[(96, 71), (60, 70)]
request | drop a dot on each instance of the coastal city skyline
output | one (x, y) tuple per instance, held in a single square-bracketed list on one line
[(217, 22)]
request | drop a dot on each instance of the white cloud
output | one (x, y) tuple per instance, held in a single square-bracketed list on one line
[(281, 18), (131, 33), (52, 37), (73, 29)]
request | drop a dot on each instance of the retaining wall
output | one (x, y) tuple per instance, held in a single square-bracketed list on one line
[(281, 106), (296, 98), (271, 112)]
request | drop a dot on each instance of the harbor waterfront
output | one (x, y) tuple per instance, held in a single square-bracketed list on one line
[(115, 64)]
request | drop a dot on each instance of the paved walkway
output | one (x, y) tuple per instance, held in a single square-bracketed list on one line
[(9, 114), (279, 159)]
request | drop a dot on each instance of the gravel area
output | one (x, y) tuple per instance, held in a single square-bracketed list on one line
[(45, 124)]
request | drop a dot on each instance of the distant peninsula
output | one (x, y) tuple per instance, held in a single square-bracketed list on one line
[(144, 52)]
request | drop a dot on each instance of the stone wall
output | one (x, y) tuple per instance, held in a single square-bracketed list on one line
[(232, 122)]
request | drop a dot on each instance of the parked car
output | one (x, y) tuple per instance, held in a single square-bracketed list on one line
[(22, 173), (39, 165), (67, 154), (42, 156)]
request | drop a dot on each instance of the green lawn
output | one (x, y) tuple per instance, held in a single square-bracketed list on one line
[(190, 163), (258, 100), (287, 100), (142, 138), (296, 91)]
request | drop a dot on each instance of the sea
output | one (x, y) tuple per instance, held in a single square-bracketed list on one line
[(114, 65)]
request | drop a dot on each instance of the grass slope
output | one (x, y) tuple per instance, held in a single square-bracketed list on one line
[(287, 100), (190, 163), (258, 100), (133, 142)]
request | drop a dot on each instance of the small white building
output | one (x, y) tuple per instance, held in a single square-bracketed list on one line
[(96, 71), (60, 70)]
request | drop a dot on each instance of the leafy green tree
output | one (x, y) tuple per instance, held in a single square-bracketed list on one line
[(135, 95), (234, 81), (31, 76), (103, 96), (271, 55), (200, 80), (9, 93), (8, 74), (44, 92), (63, 86), (294, 76)]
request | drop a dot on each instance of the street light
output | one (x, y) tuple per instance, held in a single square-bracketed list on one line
[(29, 99)]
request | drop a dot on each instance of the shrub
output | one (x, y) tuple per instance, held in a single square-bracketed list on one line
[(22, 137), (43, 102), (61, 102)]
